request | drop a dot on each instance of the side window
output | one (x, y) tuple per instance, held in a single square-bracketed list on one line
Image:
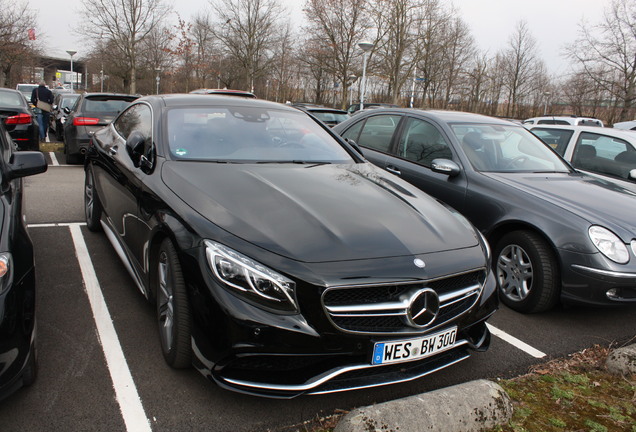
[(603, 155), (422, 142), (353, 132), (136, 118), (378, 131)]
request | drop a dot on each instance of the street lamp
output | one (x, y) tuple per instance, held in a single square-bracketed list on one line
[(158, 70), (545, 106), (352, 80), (71, 53), (366, 47)]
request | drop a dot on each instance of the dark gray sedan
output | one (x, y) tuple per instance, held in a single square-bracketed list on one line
[(556, 233)]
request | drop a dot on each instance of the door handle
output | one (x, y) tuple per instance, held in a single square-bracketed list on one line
[(393, 170), (113, 150)]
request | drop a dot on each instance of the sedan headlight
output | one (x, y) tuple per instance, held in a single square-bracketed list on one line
[(609, 244), (6, 271), (255, 282)]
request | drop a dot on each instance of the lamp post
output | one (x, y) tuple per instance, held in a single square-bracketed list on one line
[(71, 53), (365, 47), (352, 80), (158, 70), (545, 103)]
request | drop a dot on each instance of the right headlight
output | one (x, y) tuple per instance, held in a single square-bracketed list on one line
[(6, 271), (609, 244), (250, 279)]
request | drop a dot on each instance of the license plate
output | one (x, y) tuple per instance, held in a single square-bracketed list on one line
[(413, 349)]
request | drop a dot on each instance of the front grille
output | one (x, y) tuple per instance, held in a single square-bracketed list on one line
[(384, 308)]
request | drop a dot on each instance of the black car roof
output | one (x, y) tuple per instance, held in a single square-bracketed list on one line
[(186, 99)]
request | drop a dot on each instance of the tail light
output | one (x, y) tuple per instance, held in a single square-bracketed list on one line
[(19, 119), (85, 121)]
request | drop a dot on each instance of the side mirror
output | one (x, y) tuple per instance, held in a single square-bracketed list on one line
[(445, 166), (54, 106), (632, 175), (136, 147), (355, 145), (26, 163), (67, 110)]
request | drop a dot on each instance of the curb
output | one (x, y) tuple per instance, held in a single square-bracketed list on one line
[(472, 406), (622, 360)]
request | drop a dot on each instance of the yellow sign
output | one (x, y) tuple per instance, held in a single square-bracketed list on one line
[(58, 75)]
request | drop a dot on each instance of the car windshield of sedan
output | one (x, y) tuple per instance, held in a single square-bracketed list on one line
[(250, 134), (500, 148)]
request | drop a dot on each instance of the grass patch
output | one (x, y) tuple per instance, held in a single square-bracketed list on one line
[(51, 147), (573, 394)]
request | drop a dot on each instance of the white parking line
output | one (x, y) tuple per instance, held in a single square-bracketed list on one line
[(54, 161), (125, 391), (516, 342), (58, 224)]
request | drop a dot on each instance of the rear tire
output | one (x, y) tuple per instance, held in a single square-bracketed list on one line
[(527, 272), (173, 309)]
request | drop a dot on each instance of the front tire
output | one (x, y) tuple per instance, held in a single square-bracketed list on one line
[(527, 272), (92, 204), (173, 309)]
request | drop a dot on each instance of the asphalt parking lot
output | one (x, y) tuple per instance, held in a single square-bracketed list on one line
[(100, 361)]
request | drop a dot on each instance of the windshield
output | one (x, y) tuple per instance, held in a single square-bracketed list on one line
[(499, 148), (250, 134), (104, 104)]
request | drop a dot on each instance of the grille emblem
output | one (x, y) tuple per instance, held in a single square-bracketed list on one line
[(423, 308), (419, 263)]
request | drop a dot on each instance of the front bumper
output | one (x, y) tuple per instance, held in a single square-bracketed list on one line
[(589, 279), (247, 349)]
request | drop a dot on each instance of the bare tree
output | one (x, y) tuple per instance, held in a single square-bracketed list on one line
[(606, 53), (126, 23), (15, 47), (521, 66), (459, 49), (250, 32), (341, 25)]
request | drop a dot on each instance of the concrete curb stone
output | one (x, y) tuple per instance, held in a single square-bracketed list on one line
[(472, 406)]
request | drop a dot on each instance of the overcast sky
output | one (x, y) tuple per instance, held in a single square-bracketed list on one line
[(553, 23)]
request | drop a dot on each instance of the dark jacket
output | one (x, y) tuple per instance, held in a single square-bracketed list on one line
[(41, 93)]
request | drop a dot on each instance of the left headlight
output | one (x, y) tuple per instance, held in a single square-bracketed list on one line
[(250, 279), (6, 270), (609, 244)]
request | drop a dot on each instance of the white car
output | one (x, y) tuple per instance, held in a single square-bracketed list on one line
[(626, 125), (563, 120), (606, 153)]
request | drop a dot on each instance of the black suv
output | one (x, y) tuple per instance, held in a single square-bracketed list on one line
[(90, 113), (58, 117)]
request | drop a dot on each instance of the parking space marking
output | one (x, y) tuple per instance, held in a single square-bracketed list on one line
[(58, 224), (516, 342), (54, 161), (125, 390)]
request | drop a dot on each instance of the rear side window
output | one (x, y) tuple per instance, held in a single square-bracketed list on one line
[(556, 138), (105, 105), (378, 131)]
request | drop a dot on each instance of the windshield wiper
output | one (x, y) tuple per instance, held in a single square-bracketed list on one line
[(296, 161)]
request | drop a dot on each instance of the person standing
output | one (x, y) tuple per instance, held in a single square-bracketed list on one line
[(43, 111)]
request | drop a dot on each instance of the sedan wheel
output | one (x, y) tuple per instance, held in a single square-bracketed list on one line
[(527, 272), (92, 204), (173, 311)]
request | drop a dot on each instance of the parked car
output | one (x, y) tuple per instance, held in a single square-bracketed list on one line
[(62, 104), (224, 92), (564, 120), (18, 119), (556, 233), (91, 112), (329, 116), (627, 125), (18, 359), (606, 153), (281, 262), (369, 105), (26, 90)]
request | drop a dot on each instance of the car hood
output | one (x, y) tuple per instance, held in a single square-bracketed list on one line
[(593, 199), (318, 213)]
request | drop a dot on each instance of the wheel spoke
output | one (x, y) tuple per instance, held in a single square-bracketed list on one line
[(165, 303), (514, 272)]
